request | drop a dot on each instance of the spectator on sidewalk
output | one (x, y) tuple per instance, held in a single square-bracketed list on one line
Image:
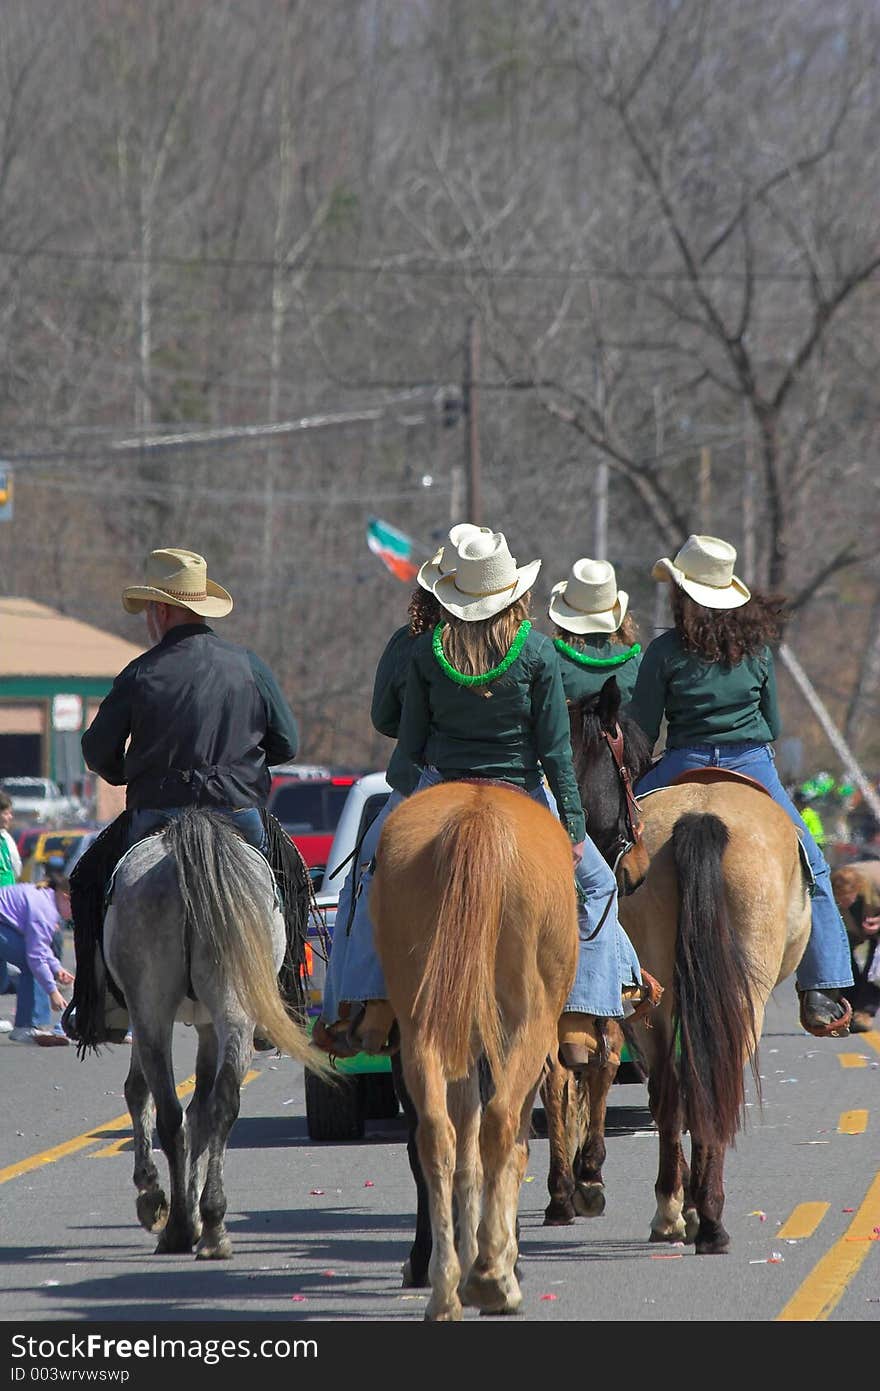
[(29, 919)]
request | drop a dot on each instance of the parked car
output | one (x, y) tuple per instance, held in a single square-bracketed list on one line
[(309, 809), (339, 1113), (50, 845), (40, 801)]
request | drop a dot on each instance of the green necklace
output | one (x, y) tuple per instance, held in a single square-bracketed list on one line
[(585, 660), (459, 677)]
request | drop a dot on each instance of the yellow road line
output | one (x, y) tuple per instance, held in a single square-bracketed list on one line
[(803, 1221), (852, 1123), (90, 1137), (852, 1060), (825, 1285)]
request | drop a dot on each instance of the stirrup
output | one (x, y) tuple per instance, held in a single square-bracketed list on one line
[(646, 996), (835, 1028), (334, 1039), (375, 1031)]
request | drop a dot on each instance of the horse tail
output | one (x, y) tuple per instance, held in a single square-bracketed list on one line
[(475, 853), (715, 986), (223, 910)]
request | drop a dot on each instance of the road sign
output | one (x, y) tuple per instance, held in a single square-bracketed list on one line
[(67, 713), (5, 493)]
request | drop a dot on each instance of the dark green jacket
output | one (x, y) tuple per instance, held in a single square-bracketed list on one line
[(581, 679), (704, 702), (389, 688), (520, 729)]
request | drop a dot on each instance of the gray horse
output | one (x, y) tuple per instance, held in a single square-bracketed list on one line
[(194, 913)]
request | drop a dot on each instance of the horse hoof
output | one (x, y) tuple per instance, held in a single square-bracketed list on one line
[(691, 1225), (670, 1238), (717, 1245), (152, 1210), (589, 1199), (413, 1279), (173, 1245), (559, 1214), (491, 1296), (220, 1250), (451, 1313)]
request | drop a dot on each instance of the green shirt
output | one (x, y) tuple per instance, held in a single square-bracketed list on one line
[(7, 873), (389, 688), (704, 702), (581, 679), (519, 729)]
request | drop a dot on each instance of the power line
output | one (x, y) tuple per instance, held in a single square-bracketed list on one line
[(389, 266)]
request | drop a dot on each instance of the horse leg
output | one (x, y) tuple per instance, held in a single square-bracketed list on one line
[(707, 1186), (556, 1088), (589, 1198), (151, 1205), (435, 1138), (197, 1117), (492, 1285), (464, 1111), (415, 1267), (223, 1109), (668, 1224), (153, 1042)]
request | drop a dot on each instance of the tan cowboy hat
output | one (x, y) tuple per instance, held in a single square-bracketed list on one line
[(179, 578), (434, 569), (589, 600), (703, 568), (486, 578)]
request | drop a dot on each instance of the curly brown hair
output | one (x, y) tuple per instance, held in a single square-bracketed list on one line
[(728, 635), (424, 612), (626, 634)]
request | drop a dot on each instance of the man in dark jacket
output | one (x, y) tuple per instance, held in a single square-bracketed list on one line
[(201, 717)]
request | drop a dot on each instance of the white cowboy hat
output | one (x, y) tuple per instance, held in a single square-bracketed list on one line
[(434, 569), (589, 600), (179, 578), (486, 578), (703, 568)]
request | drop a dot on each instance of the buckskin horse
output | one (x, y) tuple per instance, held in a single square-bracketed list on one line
[(474, 908), (718, 909), (194, 909)]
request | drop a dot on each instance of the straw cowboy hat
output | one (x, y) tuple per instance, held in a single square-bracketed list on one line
[(703, 568), (179, 578), (589, 600), (434, 569), (486, 578)]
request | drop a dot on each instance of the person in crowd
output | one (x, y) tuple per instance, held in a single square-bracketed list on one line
[(355, 984), (712, 675), (29, 918), (856, 889), (195, 721), (595, 634), (10, 871), (485, 699)]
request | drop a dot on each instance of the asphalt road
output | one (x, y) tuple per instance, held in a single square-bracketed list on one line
[(320, 1230)]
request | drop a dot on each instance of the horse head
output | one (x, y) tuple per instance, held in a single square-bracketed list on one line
[(610, 755)]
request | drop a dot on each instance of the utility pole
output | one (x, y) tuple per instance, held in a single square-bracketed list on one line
[(600, 499), (706, 489), (749, 557), (470, 399), (661, 591)]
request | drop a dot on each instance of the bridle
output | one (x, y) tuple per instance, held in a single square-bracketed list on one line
[(631, 813)]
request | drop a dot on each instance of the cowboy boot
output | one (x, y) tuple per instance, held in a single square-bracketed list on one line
[(825, 1013), (579, 1036), (639, 1000), (334, 1038)]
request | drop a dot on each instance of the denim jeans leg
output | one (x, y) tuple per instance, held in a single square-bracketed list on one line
[(357, 974), (12, 949)]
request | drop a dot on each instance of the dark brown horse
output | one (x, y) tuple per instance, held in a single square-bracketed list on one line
[(720, 918)]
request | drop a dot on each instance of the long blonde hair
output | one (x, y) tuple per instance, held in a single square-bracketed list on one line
[(475, 648)]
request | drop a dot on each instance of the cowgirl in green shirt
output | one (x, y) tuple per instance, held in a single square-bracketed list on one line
[(485, 699), (595, 635), (712, 676)]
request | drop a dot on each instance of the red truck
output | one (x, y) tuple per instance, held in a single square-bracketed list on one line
[(308, 800)]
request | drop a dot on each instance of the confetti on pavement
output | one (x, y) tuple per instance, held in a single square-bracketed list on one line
[(368, 1183), (316, 1192), (549, 1296)]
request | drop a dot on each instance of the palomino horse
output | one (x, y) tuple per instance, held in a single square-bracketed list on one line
[(721, 917), (194, 909), (475, 916)]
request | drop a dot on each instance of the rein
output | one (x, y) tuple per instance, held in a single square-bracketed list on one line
[(632, 814)]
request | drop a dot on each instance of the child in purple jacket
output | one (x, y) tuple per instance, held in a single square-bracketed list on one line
[(29, 917)]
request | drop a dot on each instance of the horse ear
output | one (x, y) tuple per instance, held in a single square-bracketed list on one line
[(608, 705)]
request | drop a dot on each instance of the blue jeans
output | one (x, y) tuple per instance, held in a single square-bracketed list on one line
[(825, 964), (604, 963), (354, 971), (247, 820), (32, 1008)]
